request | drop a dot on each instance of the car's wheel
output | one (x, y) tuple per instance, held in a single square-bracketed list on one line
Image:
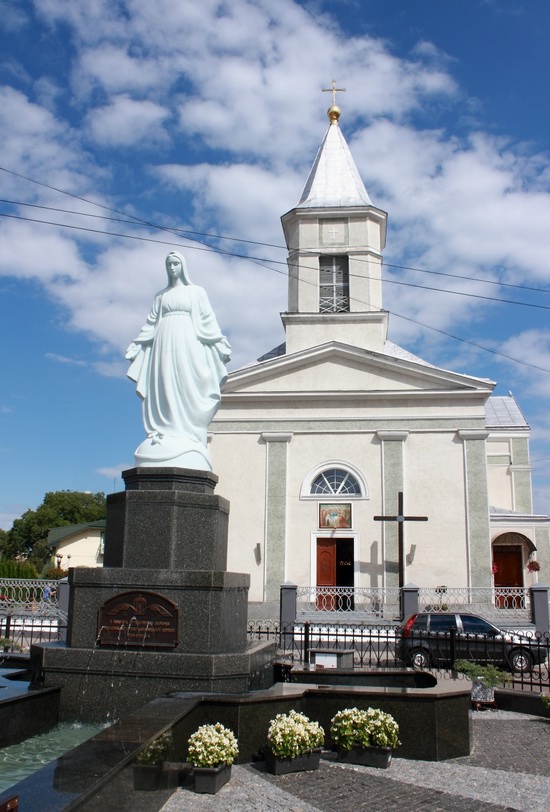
[(521, 660), (420, 658)]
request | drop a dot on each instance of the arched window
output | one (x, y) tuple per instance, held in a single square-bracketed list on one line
[(335, 482)]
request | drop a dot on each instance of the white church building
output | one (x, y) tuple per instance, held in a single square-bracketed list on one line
[(323, 437)]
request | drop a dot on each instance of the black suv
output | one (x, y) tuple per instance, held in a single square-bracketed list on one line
[(440, 638)]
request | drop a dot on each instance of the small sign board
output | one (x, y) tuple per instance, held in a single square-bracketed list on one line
[(138, 619)]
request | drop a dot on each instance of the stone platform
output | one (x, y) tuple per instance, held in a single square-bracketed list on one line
[(163, 614)]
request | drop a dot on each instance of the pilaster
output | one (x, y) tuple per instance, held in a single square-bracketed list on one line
[(275, 511), (477, 500), (393, 467)]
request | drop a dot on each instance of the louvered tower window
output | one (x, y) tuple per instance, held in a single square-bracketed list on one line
[(333, 284)]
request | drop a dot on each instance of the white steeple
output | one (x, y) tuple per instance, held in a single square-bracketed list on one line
[(335, 238), (334, 179)]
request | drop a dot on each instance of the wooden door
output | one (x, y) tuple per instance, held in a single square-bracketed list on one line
[(509, 566), (326, 573)]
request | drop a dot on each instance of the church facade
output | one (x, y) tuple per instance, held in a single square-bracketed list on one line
[(336, 444)]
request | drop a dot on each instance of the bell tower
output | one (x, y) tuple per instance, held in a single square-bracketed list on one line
[(335, 238)]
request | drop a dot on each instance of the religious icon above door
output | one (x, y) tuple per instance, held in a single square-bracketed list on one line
[(335, 515)]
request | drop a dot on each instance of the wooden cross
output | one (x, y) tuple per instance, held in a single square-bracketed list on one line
[(334, 90), (400, 519)]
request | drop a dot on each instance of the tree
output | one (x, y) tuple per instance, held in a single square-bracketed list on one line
[(29, 534)]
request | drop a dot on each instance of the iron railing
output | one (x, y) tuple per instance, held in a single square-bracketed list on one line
[(383, 603), (377, 602), (30, 613), (503, 602), (381, 647), (22, 595), (19, 632)]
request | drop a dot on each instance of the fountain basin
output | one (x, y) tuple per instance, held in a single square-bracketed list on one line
[(25, 712), (434, 725)]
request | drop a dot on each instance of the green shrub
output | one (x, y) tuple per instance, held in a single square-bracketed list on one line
[(17, 569), (489, 675), (53, 573)]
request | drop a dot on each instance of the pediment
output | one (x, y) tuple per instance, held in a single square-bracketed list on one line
[(336, 367)]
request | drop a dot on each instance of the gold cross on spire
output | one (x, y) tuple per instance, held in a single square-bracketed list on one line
[(334, 90)]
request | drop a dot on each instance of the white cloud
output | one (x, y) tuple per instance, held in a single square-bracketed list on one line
[(63, 359), (13, 17), (112, 68), (245, 78), (125, 121)]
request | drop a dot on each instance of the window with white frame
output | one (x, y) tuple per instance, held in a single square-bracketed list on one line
[(335, 482)]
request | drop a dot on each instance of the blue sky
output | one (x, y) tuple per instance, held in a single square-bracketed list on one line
[(205, 118)]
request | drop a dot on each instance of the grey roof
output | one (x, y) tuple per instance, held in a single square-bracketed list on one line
[(334, 179), (502, 412)]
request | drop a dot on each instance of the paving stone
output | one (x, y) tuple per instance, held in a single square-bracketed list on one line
[(507, 771)]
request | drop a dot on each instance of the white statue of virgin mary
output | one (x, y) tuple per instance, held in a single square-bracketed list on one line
[(178, 364)]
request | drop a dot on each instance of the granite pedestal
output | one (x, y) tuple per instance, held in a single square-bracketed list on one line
[(162, 614)]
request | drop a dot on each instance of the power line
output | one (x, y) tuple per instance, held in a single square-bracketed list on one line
[(257, 260), (262, 262), (276, 270), (185, 232)]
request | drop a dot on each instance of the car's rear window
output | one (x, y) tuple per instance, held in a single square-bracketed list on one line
[(420, 623)]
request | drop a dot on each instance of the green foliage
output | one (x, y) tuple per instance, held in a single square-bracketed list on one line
[(293, 734), (29, 534), (17, 569), (53, 573), (545, 700), (8, 643), (351, 727), (489, 675), (212, 745)]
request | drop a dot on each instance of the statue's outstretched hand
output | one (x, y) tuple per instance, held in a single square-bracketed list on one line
[(132, 351)]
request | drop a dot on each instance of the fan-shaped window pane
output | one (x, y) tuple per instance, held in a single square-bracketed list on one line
[(336, 481)]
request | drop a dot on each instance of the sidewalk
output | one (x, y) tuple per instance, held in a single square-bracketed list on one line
[(509, 769)]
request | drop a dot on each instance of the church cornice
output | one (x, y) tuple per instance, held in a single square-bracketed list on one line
[(323, 396), (329, 212), (351, 317), (334, 350)]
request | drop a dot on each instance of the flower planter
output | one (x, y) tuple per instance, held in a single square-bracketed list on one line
[(210, 780), (482, 695), (167, 775), (277, 765), (148, 777), (367, 756)]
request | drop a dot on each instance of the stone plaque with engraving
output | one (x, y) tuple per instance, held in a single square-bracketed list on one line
[(139, 619)]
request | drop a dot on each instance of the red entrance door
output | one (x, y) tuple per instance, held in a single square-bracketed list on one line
[(509, 572), (326, 573)]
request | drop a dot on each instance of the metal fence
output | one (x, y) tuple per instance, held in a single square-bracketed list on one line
[(503, 602), (19, 632), (18, 595), (29, 613), (383, 603), (376, 602), (378, 648)]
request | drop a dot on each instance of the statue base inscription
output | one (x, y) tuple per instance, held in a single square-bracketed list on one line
[(138, 619)]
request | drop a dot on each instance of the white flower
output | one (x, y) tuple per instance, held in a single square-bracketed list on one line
[(352, 726), (212, 745), (291, 735)]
